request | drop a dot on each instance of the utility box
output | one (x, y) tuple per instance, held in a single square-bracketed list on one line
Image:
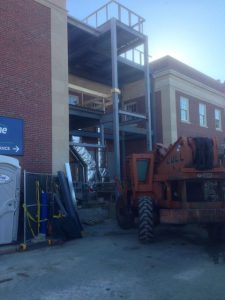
[(9, 198)]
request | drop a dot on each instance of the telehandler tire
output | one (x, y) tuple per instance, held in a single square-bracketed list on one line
[(146, 219)]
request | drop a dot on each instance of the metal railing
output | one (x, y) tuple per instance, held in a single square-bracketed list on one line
[(113, 9), (135, 55)]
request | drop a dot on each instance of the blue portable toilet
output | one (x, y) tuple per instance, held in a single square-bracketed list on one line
[(10, 172)]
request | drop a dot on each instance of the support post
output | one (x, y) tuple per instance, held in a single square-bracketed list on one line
[(115, 98), (102, 134), (123, 152), (148, 97)]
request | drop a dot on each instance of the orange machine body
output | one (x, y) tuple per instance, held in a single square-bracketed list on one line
[(186, 181)]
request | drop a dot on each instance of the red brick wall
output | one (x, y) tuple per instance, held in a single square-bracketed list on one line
[(25, 77), (193, 128), (135, 146)]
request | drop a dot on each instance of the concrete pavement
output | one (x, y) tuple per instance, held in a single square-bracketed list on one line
[(111, 264)]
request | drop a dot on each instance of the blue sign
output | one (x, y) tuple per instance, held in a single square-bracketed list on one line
[(11, 136)]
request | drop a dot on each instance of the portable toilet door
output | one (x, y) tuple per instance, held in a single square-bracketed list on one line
[(9, 198)]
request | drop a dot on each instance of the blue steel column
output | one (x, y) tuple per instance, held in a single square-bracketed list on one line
[(102, 134), (148, 97), (115, 98)]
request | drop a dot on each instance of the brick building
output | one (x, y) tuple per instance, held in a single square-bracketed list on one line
[(186, 102), (33, 78)]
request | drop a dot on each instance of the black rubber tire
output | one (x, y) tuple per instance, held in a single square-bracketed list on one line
[(124, 216), (146, 219)]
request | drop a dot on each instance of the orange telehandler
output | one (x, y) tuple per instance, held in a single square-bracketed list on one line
[(183, 184)]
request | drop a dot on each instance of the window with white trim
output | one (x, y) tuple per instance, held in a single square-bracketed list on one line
[(202, 115), (184, 109), (218, 122)]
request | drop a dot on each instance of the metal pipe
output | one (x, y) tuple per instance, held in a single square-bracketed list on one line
[(85, 156), (147, 97), (115, 98)]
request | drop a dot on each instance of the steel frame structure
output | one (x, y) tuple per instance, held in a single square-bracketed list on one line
[(115, 31)]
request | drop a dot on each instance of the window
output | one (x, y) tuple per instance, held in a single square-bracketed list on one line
[(131, 107), (218, 123), (184, 109), (202, 115)]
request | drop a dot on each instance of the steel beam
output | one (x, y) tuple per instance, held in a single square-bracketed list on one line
[(128, 113), (91, 134), (81, 25), (78, 88), (75, 111), (115, 98), (131, 122), (130, 63), (132, 129), (148, 97)]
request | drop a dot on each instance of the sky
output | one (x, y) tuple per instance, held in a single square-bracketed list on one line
[(192, 31)]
